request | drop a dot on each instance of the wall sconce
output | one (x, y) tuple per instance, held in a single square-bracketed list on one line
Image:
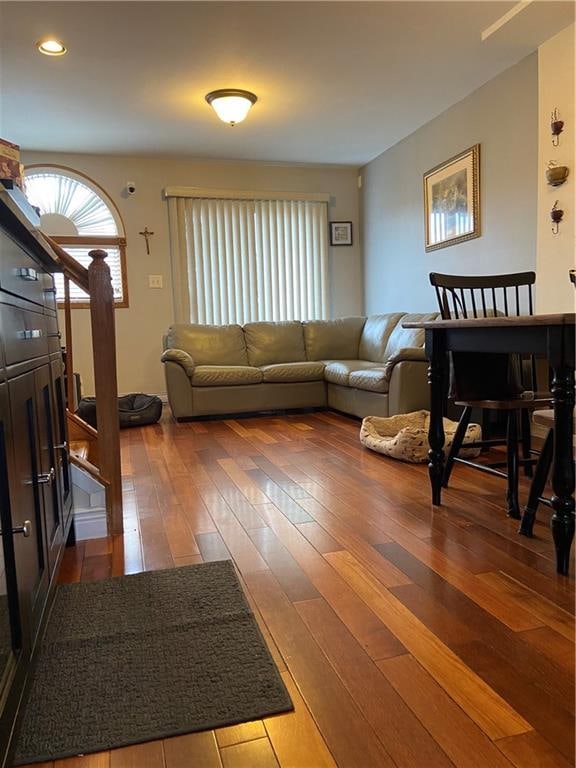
[(556, 126), (556, 214), (556, 174)]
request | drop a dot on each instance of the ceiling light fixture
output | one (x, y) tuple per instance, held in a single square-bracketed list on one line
[(51, 47), (231, 104)]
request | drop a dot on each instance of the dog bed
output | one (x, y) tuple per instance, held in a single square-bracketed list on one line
[(405, 436), (135, 410)]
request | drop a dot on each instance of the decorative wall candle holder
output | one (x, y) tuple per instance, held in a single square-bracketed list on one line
[(556, 214), (556, 126), (556, 174)]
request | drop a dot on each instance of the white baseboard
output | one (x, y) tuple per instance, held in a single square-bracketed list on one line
[(83, 481), (89, 506), (90, 523)]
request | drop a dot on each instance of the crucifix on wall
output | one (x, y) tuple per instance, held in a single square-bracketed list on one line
[(146, 234)]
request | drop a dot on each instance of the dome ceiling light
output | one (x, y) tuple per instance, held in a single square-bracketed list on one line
[(51, 47), (231, 104)]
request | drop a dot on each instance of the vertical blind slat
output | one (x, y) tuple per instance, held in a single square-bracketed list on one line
[(287, 246), (323, 213), (250, 226), (202, 298), (295, 259), (302, 264)]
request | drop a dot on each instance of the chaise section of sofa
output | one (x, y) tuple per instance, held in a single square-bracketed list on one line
[(361, 366)]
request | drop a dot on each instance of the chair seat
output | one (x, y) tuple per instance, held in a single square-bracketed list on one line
[(538, 401)]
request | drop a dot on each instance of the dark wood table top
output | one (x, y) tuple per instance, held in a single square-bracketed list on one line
[(565, 318)]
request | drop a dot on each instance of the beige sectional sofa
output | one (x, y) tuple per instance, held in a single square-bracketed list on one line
[(359, 365)]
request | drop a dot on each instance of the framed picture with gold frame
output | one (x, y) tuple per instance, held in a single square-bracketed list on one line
[(452, 200)]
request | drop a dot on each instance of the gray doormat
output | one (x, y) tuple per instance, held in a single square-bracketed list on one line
[(143, 657)]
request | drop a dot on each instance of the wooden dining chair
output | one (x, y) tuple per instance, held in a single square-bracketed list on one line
[(535, 497), (546, 420), (492, 382)]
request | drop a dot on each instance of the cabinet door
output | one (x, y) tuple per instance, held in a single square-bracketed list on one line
[(48, 464), (14, 645), (61, 446), (61, 436), (10, 626), (26, 503)]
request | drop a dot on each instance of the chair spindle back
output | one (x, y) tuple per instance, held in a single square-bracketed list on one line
[(465, 296), (477, 296)]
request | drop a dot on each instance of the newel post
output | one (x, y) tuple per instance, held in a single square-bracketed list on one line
[(105, 383)]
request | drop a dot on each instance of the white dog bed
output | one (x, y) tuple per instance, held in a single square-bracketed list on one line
[(405, 436)]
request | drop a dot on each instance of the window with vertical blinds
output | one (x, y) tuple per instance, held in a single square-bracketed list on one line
[(241, 260)]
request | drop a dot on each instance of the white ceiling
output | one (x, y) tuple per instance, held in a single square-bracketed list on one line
[(336, 82)]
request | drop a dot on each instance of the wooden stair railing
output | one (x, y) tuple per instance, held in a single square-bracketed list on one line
[(103, 460)]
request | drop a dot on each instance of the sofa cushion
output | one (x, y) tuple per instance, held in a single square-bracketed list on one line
[(333, 339), (285, 372), (225, 375), (270, 343), (209, 344), (404, 338), (375, 335), (373, 380), (338, 371)]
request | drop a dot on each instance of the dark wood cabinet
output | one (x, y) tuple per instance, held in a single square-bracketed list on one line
[(35, 488), (26, 507)]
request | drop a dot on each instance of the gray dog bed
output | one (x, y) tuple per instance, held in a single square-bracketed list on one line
[(135, 410)]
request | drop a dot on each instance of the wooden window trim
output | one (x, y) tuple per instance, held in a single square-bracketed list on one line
[(102, 241)]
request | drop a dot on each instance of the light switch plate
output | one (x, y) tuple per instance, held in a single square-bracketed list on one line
[(155, 281)]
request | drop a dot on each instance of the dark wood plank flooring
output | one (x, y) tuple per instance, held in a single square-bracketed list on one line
[(407, 636)]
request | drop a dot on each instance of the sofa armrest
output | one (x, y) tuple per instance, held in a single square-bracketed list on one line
[(408, 389), (180, 357), (179, 389), (412, 354)]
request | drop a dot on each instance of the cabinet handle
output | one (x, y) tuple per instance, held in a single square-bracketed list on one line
[(27, 273), (55, 335), (25, 529), (47, 478), (61, 446), (34, 334)]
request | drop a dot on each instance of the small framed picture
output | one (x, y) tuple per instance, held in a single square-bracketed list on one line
[(340, 233)]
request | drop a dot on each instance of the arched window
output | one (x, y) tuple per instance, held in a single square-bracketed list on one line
[(80, 216)]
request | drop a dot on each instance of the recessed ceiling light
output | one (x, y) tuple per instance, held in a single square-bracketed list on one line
[(51, 47)]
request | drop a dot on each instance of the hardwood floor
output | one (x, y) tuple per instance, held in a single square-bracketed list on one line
[(407, 637)]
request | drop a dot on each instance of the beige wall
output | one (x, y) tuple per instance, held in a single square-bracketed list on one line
[(140, 327), (502, 117), (555, 254)]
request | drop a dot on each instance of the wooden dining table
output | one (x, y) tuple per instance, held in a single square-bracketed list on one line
[(549, 336)]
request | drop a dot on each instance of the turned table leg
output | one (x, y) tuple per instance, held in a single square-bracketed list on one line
[(436, 351), (562, 522)]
